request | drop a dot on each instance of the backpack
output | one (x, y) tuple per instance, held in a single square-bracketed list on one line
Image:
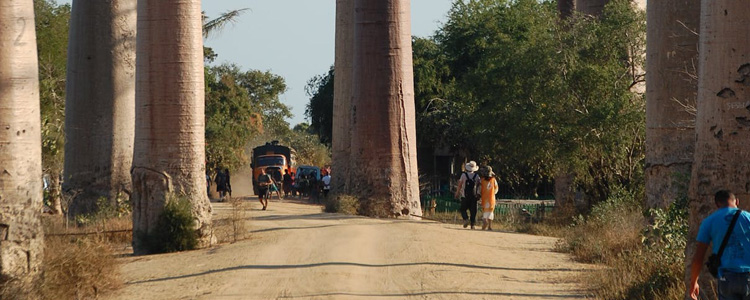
[(471, 185)]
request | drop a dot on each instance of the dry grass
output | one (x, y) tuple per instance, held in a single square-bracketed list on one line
[(234, 227), (77, 265), (114, 230), (344, 204), (613, 235), (636, 275), (79, 268)]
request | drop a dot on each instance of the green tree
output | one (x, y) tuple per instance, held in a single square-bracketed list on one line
[(52, 24), (545, 96), (229, 118), (320, 108), (240, 105)]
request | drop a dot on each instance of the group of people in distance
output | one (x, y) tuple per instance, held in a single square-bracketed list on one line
[(223, 183), (474, 186), (267, 184)]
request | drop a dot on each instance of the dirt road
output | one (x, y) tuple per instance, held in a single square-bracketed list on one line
[(297, 252)]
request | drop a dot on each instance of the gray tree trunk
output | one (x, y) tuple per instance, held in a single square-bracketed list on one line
[(722, 125), (672, 51), (384, 154), (21, 235), (100, 103), (342, 97), (169, 156)]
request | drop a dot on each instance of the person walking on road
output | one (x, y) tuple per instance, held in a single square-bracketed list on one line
[(287, 183), (221, 183), (467, 192), (227, 183), (488, 189), (326, 184), (734, 266), (264, 181)]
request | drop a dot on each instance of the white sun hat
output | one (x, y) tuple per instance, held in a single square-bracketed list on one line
[(471, 166)]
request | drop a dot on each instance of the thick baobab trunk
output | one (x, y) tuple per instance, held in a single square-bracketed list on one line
[(384, 154), (722, 125), (672, 50), (100, 102), (342, 97), (21, 236), (169, 158)]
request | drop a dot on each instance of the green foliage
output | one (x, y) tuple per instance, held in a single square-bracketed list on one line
[(611, 228), (545, 95), (320, 108), (230, 118), (240, 105), (642, 261), (174, 229), (106, 210), (52, 24)]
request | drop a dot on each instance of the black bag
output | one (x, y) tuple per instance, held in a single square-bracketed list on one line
[(714, 261), (471, 185)]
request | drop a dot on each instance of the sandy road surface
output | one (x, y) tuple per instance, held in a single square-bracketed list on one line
[(297, 252)]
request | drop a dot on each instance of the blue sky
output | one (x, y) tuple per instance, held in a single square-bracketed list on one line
[(294, 38)]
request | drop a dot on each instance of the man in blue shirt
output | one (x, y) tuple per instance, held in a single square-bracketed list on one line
[(734, 272)]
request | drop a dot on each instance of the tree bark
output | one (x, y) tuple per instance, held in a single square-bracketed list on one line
[(722, 125), (591, 7), (566, 8), (384, 154), (100, 102), (342, 97), (672, 52), (21, 236), (169, 157), (55, 196)]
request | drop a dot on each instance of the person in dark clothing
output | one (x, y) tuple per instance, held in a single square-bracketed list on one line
[(221, 183), (227, 182), (287, 183), (467, 192), (264, 181)]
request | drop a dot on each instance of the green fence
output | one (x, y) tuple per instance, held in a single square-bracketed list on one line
[(533, 208)]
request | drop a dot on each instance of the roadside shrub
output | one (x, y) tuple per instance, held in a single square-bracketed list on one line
[(174, 229), (612, 227), (345, 204), (642, 260), (78, 268)]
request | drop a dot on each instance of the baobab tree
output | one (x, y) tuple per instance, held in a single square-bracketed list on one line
[(722, 124), (342, 95), (21, 236), (169, 155), (100, 103), (671, 87), (383, 127)]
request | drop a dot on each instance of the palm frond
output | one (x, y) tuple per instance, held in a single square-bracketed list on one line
[(216, 25)]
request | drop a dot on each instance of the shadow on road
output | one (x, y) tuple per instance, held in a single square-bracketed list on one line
[(351, 264), (432, 293)]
